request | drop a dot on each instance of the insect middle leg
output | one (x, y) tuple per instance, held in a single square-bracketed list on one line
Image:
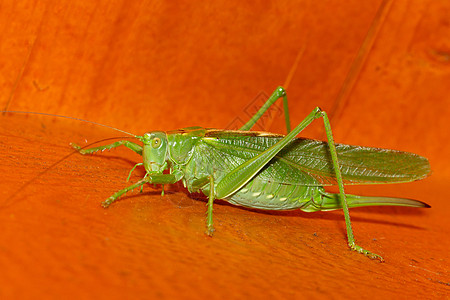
[(197, 185), (149, 178)]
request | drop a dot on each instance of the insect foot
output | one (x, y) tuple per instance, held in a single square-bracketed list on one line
[(209, 231), (367, 253), (79, 149), (75, 146), (107, 202)]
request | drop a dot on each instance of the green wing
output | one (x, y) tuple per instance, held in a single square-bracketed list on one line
[(308, 162), (358, 164)]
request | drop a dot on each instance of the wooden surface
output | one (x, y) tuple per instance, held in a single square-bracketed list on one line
[(381, 69)]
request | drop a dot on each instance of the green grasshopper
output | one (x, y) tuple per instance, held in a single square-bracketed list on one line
[(270, 171)]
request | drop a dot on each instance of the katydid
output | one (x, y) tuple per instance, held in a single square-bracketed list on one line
[(270, 171)]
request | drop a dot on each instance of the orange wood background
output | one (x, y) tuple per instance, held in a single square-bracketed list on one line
[(380, 68)]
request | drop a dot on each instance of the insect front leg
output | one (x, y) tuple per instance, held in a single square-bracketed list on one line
[(130, 145)]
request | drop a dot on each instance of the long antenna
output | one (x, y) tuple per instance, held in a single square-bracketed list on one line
[(64, 117)]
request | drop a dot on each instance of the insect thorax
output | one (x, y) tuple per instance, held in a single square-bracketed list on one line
[(182, 143)]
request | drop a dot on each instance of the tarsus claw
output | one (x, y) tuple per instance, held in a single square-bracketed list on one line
[(367, 253)]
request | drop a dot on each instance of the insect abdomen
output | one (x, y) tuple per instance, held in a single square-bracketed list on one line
[(272, 195)]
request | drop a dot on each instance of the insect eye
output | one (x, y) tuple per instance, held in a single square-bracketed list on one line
[(156, 142)]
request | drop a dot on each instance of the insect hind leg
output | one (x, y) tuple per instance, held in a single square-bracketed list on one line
[(239, 176), (351, 239), (279, 92)]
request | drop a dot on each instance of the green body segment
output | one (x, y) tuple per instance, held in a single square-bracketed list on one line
[(269, 171), (294, 179)]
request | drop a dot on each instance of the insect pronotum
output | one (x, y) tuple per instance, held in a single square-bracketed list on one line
[(270, 171)]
